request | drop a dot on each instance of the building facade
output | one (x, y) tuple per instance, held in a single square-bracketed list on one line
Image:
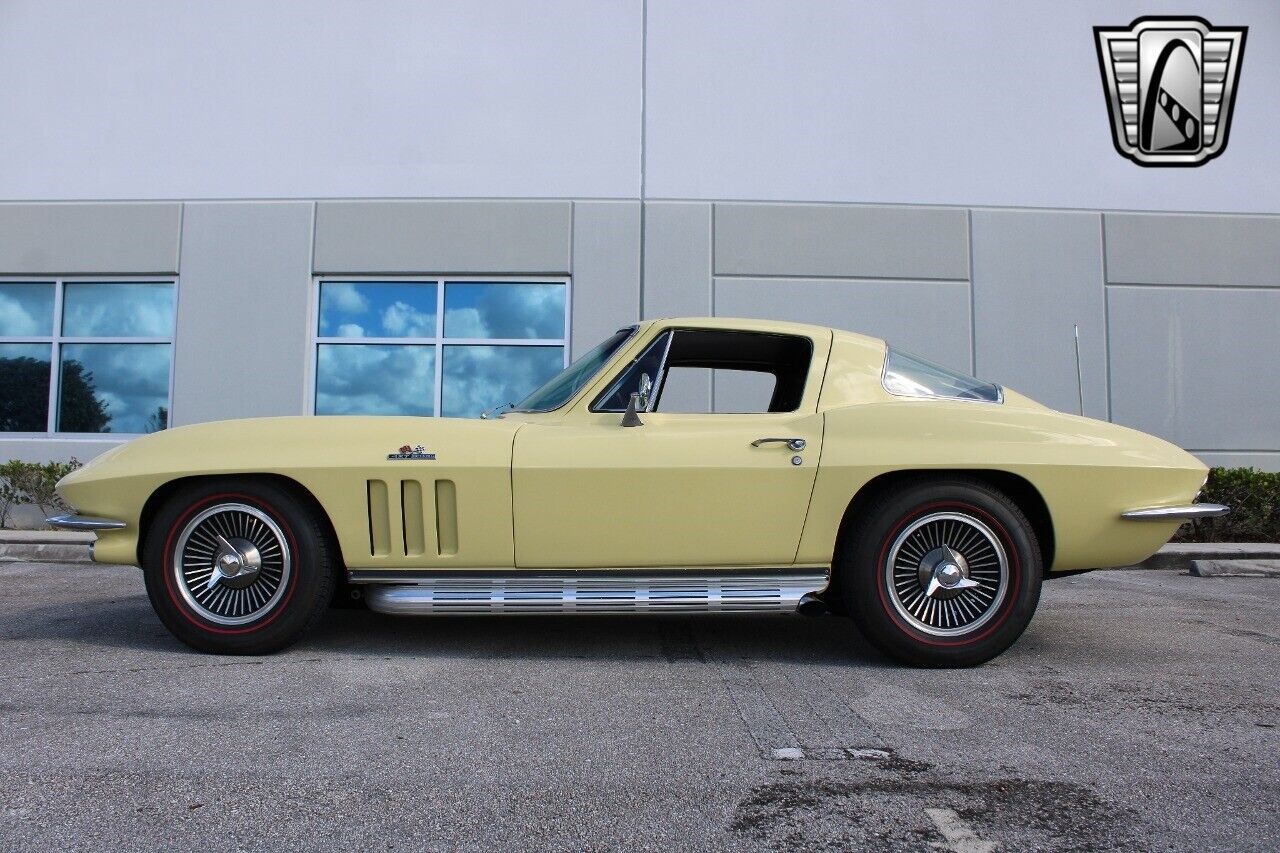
[(249, 210)]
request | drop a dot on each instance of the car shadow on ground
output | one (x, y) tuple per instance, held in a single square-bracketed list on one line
[(129, 623)]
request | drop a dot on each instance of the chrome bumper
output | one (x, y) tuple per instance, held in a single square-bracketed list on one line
[(84, 522), (1169, 513)]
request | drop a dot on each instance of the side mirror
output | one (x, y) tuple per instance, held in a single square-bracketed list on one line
[(639, 402), (646, 388)]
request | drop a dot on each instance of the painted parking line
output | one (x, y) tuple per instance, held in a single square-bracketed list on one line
[(960, 838)]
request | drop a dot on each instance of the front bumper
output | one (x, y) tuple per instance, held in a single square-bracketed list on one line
[(1171, 513), (84, 522)]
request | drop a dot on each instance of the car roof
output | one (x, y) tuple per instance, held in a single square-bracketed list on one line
[(757, 325)]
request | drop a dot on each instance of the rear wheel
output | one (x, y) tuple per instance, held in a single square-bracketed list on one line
[(942, 573), (237, 567)]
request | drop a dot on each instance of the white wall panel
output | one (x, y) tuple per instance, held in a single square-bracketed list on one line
[(927, 102), (319, 98)]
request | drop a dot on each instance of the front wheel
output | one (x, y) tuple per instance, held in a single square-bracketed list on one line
[(942, 573), (237, 567)]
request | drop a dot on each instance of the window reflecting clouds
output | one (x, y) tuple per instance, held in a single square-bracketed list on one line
[(24, 387), (481, 377), (377, 309), (504, 310), (114, 388), (26, 310), (399, 378), (117, 309), (375, 379)]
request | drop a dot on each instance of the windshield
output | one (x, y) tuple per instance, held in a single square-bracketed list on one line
[(561, 387)]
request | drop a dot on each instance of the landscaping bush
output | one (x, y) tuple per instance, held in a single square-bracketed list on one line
[(32, 483), (1254, 498)]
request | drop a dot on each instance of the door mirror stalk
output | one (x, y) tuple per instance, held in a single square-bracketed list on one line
[(631, 417)]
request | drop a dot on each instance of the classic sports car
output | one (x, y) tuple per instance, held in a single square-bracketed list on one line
[(925, 504)]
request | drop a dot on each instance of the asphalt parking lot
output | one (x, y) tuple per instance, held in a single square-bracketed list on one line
[(1139, 711)]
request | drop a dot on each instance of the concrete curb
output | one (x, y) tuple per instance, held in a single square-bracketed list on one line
[(1182, 556), (1236, 568), (45, 546)]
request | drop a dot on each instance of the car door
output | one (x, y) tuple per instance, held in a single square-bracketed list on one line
[(683, 490)]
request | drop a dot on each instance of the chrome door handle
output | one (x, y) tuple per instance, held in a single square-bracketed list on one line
[(796, 444)]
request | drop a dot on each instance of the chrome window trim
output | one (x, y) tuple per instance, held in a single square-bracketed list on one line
[(595, 404)]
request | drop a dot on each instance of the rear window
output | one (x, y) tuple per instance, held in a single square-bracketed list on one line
[(907, 375)]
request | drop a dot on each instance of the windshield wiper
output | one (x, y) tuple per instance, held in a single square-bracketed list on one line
[(484, 416)]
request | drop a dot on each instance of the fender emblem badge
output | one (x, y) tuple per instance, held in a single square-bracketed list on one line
[(407, 452)]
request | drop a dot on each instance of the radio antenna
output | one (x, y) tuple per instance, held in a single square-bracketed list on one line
[(1079, 379)]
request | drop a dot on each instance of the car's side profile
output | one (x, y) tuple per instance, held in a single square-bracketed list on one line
[(926, 504)]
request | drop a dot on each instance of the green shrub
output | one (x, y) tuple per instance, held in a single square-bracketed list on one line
[(1254, 498), (32, 483)]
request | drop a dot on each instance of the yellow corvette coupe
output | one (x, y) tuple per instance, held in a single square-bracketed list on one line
[(925, 504)]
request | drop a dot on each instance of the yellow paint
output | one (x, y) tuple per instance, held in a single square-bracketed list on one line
[(573, 489)]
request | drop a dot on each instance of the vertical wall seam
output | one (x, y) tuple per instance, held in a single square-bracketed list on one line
[(182, 218), (1106, 312), (973, 313), (177, 312), (573, 303), (309, 357), (711, 284), (644, 86)]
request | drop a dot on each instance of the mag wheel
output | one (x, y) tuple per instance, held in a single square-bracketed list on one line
[(237, 567), (943, 573)]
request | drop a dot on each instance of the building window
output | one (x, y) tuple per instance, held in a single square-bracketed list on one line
[(85, 356), (452, 347)]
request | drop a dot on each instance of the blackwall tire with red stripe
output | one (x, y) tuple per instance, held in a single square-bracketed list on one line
[(941, 573), (238, 566)]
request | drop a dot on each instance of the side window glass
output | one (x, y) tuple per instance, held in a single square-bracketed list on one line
[(650, 361)]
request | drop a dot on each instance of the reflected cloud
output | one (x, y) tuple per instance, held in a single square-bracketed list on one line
[(402, 320), (129, 381), (504, 310), (117, 309), (375, 379), (481, 377), (26, 309), (378, 309)]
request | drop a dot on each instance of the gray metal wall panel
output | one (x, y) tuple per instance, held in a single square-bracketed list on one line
[(460, 237), (841, 241), (1176, 249), (99, 238), (677, 259), (1035, 274), (53, 450), (677, 280), (242, 311), (1197, 366), (606, 270), (929, 318)]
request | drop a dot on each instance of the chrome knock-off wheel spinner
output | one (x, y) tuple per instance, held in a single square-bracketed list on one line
[(947, 574), (232, 563)]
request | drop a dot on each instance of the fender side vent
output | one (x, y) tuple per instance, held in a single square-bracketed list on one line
[(379, 519)]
